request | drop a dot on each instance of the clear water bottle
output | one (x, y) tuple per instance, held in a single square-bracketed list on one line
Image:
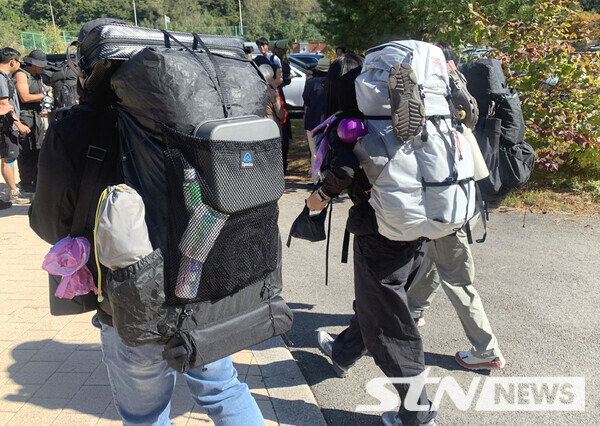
[(190, 268)]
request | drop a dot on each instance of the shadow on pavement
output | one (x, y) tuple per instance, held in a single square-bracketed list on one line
[(447, 362), (341, 417), (294, 184), (56, 375), (15, 210)]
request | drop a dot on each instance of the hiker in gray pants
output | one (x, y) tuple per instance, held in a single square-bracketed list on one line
[(448, 262)]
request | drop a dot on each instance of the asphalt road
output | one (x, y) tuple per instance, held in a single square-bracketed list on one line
[(539, 286)]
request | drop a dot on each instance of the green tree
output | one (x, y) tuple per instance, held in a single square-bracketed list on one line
[(360, 25), (591, 5), (293, 19), (39, 11), (560, 90)]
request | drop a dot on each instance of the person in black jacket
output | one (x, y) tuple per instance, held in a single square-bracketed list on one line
[(383, 269)]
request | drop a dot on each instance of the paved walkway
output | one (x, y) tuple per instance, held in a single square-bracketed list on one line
[(51, 370)]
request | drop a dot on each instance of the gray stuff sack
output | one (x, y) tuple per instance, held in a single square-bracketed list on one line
[(122, 235)]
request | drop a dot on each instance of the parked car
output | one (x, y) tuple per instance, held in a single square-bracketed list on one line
[(293, 91), (304, 60)]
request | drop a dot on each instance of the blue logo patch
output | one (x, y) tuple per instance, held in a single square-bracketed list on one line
[(247, 159)]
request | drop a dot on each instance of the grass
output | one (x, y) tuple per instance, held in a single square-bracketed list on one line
[(571, 195), (299, 154)]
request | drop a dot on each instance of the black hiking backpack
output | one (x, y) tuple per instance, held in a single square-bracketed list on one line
[(499, 131), (64, 84), (208, 168)]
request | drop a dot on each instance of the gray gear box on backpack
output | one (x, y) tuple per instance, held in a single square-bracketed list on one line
[(247, 128), (239, 162)]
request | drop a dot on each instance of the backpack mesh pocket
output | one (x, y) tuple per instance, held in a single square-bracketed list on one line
[(212, 254), (234, 175)]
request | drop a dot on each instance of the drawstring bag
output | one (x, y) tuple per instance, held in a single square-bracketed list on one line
[(67, 258), (120, 231), (308, 227)]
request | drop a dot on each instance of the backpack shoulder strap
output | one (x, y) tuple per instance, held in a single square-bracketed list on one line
[(95, 156)]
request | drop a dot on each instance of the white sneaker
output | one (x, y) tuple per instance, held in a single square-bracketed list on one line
[(472, 362), (325, 342), (419, 319), (14, 196)]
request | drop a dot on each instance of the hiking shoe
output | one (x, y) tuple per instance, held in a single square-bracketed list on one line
[(408, 112), (14, 196), (5, 204), (391, 419), (325, 342), (419, 319), (472, 362)]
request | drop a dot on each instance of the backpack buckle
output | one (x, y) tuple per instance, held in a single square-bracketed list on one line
[(96, 153)]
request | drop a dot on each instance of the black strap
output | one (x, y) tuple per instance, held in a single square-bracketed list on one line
[(468, 231), (525, 212), (483, 213), (345, 246), (377, 117), (219, 74), (93, 164), (330, 207), (213, 77)]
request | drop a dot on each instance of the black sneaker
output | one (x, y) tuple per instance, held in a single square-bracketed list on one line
[(5, 204), (408, 112)]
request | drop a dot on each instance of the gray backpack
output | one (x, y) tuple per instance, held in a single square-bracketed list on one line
[(423, 187)]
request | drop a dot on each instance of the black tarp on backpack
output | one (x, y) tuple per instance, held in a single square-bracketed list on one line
[(499, 131), (165, 93)]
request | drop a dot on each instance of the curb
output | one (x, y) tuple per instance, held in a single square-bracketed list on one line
[(290, 395)]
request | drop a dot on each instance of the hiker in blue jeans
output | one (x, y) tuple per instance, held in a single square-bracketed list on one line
[(142, 385)]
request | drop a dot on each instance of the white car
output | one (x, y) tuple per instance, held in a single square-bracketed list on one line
[(293, 91)]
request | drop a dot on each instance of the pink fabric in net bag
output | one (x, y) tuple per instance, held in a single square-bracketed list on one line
[(67, 258)]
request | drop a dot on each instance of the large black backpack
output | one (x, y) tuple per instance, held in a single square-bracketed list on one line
[(168, 86), (499, 131)]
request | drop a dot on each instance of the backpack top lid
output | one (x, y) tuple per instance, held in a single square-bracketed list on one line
[(428, 63)]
